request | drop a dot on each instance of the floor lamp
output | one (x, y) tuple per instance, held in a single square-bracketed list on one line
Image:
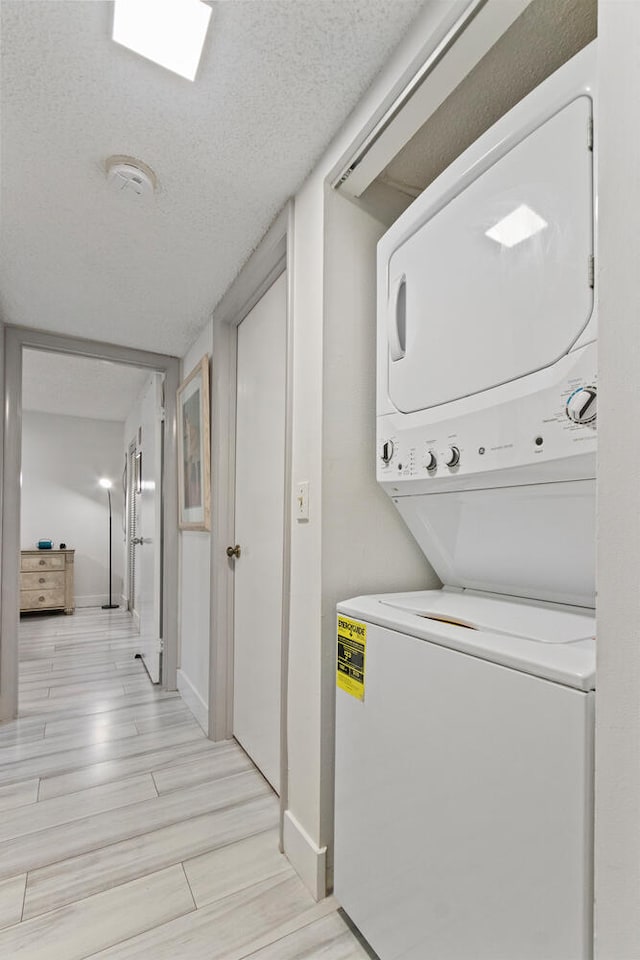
[(106, 484)]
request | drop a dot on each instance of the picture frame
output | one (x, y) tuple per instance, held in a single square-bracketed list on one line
[(194, 465)]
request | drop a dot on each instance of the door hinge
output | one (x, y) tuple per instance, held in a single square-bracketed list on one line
[(163, 414), (591, 269), (590, 133)]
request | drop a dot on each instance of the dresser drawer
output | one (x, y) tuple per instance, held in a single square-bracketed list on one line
[(44, 579), (38, 562), (41, 599)]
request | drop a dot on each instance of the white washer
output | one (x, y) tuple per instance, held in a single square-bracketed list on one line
[(464, 780), (464, 723)]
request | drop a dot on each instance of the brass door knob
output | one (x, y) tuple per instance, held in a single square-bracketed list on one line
[(233, 551)]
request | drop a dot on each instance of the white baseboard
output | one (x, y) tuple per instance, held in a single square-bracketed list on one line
[(193, 700), (95, 600), (308, 860)]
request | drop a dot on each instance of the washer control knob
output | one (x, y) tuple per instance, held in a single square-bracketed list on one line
[(582, 405), (386, 452), (430, 461), (452, 458)]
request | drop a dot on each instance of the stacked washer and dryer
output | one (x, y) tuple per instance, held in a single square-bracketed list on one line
[(465, 715)]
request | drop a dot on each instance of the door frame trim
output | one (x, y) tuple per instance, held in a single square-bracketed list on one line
[(16, 339), (272, 257)]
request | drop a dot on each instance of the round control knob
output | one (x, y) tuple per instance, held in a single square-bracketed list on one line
[(430, 461), (582, 405), (386, 451), (452, 458)]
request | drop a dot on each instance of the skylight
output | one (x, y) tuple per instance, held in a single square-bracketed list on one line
[(169, 32), (519, 225)]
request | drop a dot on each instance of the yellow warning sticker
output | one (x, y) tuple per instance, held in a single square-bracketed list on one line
[(352, 648)]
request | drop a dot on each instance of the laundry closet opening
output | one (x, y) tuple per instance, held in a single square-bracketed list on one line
[(375, 181)]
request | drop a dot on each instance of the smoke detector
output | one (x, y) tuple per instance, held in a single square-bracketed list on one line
[(130, 176)]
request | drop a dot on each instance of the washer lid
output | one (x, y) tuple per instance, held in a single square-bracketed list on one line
[(536, 540), (496, 283), (547, 640)]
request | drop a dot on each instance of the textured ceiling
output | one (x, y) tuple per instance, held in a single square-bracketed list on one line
[(277, 80), (543, 37), (79, 387)]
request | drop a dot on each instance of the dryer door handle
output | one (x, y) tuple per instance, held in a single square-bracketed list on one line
[(397, 319)]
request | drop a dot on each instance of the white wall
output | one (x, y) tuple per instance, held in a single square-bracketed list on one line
[(195, 588), (318, 328), (366, 547), (62, 461), (617, 920)]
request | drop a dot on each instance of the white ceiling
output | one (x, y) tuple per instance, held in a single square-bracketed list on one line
[(277, 80), (78, 387)]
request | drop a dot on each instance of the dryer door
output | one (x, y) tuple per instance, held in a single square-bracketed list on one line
[(496, 284)]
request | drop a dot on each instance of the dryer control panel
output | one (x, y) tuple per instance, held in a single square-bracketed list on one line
[(543, 421)]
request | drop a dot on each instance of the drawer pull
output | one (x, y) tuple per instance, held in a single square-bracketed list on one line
[(41, 599), (41, 580), (42, 562)]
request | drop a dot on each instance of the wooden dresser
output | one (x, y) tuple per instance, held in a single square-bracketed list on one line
[(46, 580)]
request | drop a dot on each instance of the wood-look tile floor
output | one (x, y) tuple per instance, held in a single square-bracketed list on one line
[(125, 832)]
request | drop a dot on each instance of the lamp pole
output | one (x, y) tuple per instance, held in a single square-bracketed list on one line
[(109, 606)]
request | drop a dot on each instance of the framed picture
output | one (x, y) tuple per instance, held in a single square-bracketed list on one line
[(194, 507)]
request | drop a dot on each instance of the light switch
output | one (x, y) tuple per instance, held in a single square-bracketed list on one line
[(302, 501)]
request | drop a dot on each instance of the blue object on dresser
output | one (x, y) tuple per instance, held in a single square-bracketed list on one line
[(45, 544)]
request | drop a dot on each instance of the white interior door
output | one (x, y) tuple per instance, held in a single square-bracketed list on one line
[(259, 506), (148, 520)]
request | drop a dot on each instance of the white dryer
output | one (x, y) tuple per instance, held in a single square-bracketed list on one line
[(464, 716)]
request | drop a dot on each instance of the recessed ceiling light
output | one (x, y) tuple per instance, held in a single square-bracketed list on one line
[(519, 225), (169, 32)]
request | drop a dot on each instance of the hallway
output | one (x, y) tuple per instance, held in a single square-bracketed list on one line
[(125, 832)]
